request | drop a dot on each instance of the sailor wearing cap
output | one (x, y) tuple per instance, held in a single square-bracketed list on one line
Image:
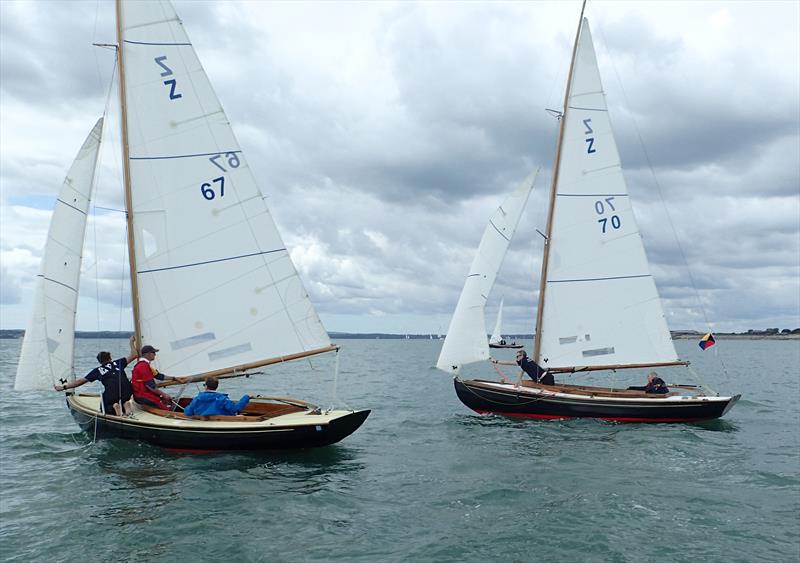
[(145, 391)]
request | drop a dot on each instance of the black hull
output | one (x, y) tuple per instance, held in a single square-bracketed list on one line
[(510, 402), (219, 439), (515, 346)]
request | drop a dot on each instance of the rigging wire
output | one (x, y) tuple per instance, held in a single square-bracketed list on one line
[(659, 192), (94, 190), (336, 399)]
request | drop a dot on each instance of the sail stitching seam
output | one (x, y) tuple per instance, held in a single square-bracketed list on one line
[(71, 206), (182, 155), (157, 44), (211, 261), (601, 279), (58, 282)]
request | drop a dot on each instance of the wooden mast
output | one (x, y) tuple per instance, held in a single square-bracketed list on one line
[(126, 174), (553, 187)]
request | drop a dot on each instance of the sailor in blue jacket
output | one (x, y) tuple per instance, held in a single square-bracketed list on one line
[(210, 402)]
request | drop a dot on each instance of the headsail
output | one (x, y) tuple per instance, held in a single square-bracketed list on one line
[(601, 304), (466, 338), (47, 350), (216, 285), (497, 335)]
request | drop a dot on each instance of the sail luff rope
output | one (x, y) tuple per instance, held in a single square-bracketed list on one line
[(661, 196), (537, 344)]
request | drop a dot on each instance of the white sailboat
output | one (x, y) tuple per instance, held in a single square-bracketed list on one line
[(496, 340), (213, 286), (598, 304)]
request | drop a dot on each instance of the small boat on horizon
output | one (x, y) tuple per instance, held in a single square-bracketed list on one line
[(496, 340)]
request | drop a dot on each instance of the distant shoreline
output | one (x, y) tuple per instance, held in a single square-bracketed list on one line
[(678, 335), (735, 336)]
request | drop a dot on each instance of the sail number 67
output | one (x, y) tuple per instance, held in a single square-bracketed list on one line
[(208, 191), (601, 206)]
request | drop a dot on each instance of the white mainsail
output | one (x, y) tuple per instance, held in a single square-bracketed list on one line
[(47, 349), (216, 285), (497, 335), (466, 338), (601, 306)]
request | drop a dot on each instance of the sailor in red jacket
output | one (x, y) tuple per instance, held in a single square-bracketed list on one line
[(143, 379)]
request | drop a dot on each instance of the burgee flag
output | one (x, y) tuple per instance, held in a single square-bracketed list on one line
[(707, 341)]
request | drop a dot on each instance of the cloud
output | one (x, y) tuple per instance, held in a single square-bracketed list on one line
[(385, 134)]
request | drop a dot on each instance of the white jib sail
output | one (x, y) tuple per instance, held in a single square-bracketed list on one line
[(497, 335), (466, 338), (217, 287), (47, 349), (601, 303)]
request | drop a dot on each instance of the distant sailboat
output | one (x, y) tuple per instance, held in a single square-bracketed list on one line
[(497, 340), (212, 283), (598, 304)]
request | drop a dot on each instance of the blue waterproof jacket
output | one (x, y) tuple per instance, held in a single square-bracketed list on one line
[(209, 403)]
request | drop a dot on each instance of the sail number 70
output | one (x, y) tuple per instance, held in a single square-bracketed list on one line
[(604, 207)]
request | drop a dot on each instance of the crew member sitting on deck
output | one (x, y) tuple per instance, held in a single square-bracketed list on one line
[(210, 402), (145, 391), (531, 368), (654, 385)]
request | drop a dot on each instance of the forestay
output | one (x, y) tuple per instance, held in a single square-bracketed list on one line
[(497, 335), (601, 303), (47, 349), (216, 285), (466, 338)]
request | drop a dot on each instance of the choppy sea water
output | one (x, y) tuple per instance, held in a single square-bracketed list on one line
[(424, 479)]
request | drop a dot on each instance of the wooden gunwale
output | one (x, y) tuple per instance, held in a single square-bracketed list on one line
[(591, 391)]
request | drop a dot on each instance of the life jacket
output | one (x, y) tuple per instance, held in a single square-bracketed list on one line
[(142, 373)]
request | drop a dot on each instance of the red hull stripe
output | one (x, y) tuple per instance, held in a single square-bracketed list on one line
[(191, 451), (609, 418)]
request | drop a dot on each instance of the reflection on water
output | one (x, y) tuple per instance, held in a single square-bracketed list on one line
[(717, 425)]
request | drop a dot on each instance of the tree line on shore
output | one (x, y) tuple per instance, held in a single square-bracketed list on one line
[(19, 333)]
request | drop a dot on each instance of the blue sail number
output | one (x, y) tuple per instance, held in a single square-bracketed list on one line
[(233, 160), (208, 191), (589, 140), (172, 83), (229, 158), (600, 208)]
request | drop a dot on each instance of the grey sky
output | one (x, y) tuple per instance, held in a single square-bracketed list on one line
[(386, 133)]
